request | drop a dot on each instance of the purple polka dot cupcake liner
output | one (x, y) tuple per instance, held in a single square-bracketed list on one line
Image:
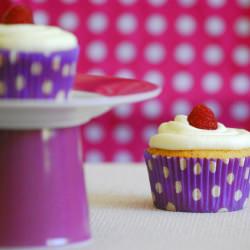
[(26, 75), (198, 184)]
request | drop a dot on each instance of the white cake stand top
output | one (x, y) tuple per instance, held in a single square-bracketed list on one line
[(91, 97)]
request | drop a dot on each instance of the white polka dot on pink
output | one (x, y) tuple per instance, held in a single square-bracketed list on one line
[(97, 22), (69, 21), (126, 23)]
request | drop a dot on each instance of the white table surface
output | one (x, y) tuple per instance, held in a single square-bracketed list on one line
[(123, 217)]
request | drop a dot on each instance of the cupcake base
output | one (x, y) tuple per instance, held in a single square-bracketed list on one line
[(37, 75), (198, 184)]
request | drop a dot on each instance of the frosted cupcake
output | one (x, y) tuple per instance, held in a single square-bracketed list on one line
[(36, 61), (197, 165)]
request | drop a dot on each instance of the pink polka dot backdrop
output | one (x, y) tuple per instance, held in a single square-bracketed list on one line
[(198, 50)]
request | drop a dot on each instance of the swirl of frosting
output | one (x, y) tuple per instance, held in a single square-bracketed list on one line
[(35, 38), (180, 135)]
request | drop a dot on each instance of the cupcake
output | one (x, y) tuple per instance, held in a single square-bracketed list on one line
[(36, 61), (198, 165)]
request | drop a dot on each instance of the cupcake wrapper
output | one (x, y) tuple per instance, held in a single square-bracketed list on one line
[(198, 184), (37, 75)]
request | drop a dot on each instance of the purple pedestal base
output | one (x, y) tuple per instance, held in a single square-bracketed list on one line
[(43, 199)]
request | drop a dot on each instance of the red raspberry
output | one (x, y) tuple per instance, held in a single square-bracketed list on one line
[(202, 117), (4, 6), (18, 14)]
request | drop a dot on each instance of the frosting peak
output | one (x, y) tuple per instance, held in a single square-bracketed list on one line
[(180, 135)]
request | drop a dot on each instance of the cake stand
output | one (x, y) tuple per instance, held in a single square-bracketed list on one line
[(43, 200)]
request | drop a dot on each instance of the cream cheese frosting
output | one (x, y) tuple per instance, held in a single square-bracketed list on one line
[(35, 38), (180, 135)]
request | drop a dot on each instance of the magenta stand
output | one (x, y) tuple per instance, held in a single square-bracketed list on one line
[(43, 199)]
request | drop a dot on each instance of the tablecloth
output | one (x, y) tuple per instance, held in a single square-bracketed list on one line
[(123, 217)]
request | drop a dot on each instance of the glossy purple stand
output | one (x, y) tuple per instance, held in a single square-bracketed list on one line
[(42, 190)]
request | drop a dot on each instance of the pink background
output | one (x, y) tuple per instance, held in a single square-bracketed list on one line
[(198, 50)]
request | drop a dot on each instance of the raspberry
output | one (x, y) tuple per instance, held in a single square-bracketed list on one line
[(202, 117), (4, 6), (18, 14)]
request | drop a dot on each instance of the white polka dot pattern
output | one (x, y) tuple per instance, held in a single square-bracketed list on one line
[(2, 88), (165, 172), (196, 194), (97, 22), (242, 27), (94, 156), (171, 207), (158, 188), (157, 3), (150, 165), (128, 2), (47, 87), (183, 164), (241, 84), (125, 52), (245, 203), (124, 111), (125, 73), (66, 70), (230, 178), (1, 60), (183, 81), (183, 52), (127, 23), (215, 26), (123, 156), (69, 21), (187, 3), (212, 83), (240, 111), (242, 162), (96, 51), (240, 55), (180, 106), (123, 134), (247, 172), (152, 109), (197, 168), (13, 57), (155, 53), (212, 166), (155, 77), (214, 106), (94, 133), (213, 55), (36, 68), (178, 187), (185, 25), (148, 131), (41, 17), (156, 24), (216, 3), (20, 83), (73, 68), (56, 62), (201, 186), (216, 191), (237, 195), (222, 210)]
